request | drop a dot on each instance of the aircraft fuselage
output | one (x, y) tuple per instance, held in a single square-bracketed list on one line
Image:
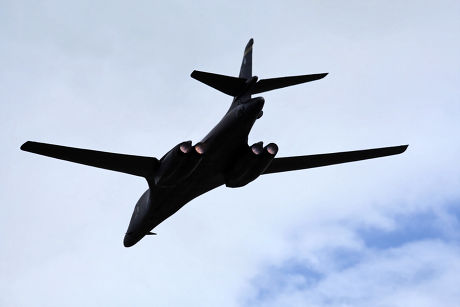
[(224, 144)]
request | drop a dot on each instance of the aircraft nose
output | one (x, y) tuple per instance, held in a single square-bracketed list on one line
[(129, 240)]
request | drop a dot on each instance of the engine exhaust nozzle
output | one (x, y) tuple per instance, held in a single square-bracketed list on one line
[(272, 149)]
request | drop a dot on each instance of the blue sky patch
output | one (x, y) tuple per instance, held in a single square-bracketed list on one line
[(423, 225)]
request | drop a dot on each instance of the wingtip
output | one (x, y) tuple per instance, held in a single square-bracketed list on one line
[(400, 149), (25, 145)]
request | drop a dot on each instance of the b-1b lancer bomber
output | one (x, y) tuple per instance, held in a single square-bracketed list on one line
[(221, 157)]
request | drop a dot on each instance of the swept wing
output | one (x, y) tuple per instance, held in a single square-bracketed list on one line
[(129, 164), (302, 162)]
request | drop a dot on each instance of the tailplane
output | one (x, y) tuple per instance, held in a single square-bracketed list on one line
[(234, 86), (266, 85), (245, 85), (228, 85)]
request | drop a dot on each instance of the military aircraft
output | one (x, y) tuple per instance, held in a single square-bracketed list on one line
[(221, 157)]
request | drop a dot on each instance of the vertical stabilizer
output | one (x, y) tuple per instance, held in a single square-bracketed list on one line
[(246, 65)]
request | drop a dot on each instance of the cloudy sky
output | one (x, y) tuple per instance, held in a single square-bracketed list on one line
[(114, 76)]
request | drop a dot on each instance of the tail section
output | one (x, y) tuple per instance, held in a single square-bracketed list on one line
[(228, 85), (266, 85), (246, 64), (245, 87), (246, 84)]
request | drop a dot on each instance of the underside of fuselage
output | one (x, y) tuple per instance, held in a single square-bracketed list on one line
[(224, 144)]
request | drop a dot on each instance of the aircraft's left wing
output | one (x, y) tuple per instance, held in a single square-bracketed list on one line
[(302, 162), (134, 165)]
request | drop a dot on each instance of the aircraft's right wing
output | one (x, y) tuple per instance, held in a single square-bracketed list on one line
[(302, 162), (134, 165)]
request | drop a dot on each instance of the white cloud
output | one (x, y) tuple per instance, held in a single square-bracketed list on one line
[(423, 271)]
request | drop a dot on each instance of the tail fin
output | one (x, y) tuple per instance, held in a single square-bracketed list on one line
[(246, 64)]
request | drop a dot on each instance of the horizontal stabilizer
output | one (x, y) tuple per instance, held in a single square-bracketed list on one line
[(238, 86), (265, 85), (302, 162), (229, 85), (134, 165)]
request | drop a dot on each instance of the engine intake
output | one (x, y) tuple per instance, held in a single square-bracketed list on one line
[(251, 165), (179, 163)]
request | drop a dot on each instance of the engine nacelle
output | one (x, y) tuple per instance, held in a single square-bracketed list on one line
[(251, 165), (179, 163)]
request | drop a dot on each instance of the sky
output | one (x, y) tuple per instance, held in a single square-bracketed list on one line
[(114, 76)]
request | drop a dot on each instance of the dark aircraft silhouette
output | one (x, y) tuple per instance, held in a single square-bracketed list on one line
[(222, 157)]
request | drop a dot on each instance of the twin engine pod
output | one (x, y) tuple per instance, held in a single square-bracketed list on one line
[(179, 163), (251, 165)]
